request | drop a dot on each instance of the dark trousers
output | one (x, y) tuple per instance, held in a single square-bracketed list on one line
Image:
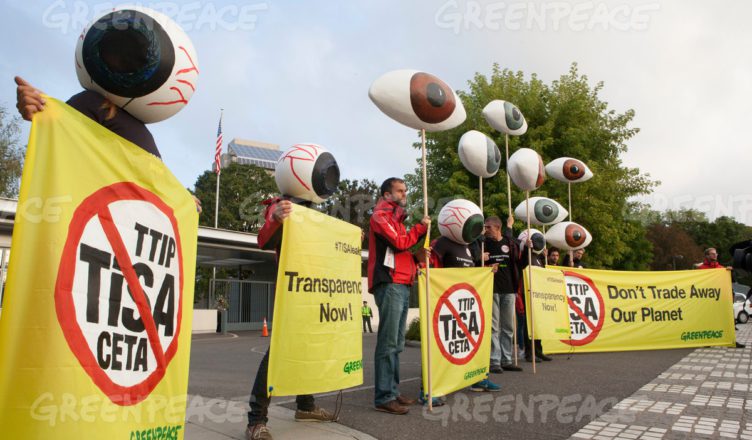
[(367, 321), (260, 402)]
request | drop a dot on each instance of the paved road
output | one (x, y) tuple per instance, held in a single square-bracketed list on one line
[(564, 395)]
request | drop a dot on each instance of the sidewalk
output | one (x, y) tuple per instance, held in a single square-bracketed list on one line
[(706, 395), (218, 419)]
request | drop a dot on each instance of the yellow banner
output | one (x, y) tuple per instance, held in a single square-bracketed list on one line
[(317, 342), (549, 307), (459, 330), (622, 311), (96, 327)]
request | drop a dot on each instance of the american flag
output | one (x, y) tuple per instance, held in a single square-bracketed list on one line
[(218, 150)]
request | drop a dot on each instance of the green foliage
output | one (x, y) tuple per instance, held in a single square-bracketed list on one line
[(242, 188), (413, 330), (565, 118), (353, 202), (11, 154)]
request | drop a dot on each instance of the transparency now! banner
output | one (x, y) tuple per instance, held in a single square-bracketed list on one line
[(95, 330), (317, 341), (622, 311)]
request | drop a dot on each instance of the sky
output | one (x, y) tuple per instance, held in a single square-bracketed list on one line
[(288, 72)]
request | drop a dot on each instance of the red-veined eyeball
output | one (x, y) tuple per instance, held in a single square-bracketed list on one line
[(543, 211), (461, 221), (568, 170), (505, 117), (140, 60), (568, 236), (308, 172), (539, 240), (418, 100), (479, 154), (526, 170)]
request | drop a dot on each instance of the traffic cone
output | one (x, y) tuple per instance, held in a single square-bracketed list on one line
[(265, 330)]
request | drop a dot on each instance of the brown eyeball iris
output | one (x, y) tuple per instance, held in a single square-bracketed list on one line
[(541, 173), (573, 169), (575, 235), (432, 100)]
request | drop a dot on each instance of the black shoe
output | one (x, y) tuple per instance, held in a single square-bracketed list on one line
[(738, 345), (543, 357), (495, 369), (530, 359), (511, 367)]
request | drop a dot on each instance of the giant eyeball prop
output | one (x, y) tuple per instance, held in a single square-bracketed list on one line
[(526, 170), (505, 117), (461, 221), (307, 172), (543, 211), (568, 170), (538, 239), (479, 154), (568, 236), (418, 100), (140, 60)]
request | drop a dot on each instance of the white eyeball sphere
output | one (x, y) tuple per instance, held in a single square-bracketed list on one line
[(568, 236), (479, 154), (505, 117), (461, 221), (140, 60), (418, 100), (526, 170), (543, 211), (308, 172), (568, 170), (538, 239)]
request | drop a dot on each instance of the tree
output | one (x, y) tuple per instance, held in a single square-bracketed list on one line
[(242, 188), (565, 118), (353, 202), (673, 247), (11, 154)]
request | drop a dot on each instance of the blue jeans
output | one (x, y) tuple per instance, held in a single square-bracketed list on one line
[(502, 329), (392, 301)]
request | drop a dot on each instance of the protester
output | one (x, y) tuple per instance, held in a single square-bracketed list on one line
[(538, 260), (711, 262), (367, 313), (504, 256), (576, 261), (391, 272), (552, 256)]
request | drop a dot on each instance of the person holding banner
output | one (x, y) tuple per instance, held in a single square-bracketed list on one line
[(448, 253), (504, 255), (538, 260), (391, 272), (270, 237), (552, 256), (711, 262)]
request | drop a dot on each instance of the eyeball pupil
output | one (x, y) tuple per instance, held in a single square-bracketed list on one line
[(516, 114), (577, 235), (547, 210), (435, 94), (574, 169)]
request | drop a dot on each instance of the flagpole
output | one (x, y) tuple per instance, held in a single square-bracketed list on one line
[(217, 160)]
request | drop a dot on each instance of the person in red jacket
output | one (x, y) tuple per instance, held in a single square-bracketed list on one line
[(711, 262), (391, 272)]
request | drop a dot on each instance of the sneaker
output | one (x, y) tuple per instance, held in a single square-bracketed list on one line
[(435, 401), (318, 414), (495, 369), (406, 401), (392, 407), (511, 367), (485, 385), (258, 431)]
